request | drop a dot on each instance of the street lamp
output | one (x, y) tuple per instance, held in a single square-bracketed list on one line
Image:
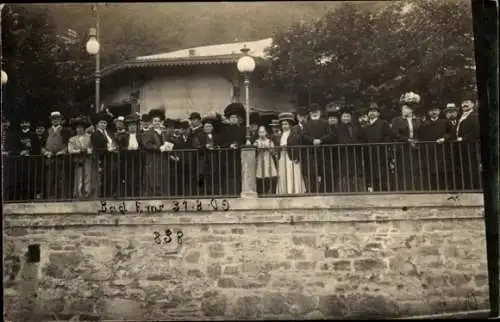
[(93, 48), (5, 78), (246, 65)]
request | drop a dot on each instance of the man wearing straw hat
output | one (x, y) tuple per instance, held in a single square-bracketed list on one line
[(56, 163)]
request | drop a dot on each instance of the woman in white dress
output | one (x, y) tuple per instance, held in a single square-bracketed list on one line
[(290, 180)]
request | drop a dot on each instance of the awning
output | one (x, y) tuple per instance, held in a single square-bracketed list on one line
[(186, 61)]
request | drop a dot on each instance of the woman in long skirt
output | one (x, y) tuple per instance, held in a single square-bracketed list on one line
[(290, 179)]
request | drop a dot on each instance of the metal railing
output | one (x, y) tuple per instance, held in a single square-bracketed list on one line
[(364, 168), (282, 171), (123, 175)]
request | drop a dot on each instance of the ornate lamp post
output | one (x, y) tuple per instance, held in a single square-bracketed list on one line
[(93, 48), (246, 65)]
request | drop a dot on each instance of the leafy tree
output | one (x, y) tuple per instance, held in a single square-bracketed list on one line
[(378, 53)]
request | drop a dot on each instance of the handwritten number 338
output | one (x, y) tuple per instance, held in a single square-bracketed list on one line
[(168, 237)]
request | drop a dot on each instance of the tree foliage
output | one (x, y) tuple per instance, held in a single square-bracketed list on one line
[(362, 55)]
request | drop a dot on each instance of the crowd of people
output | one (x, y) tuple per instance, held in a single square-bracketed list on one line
[(314, 150)]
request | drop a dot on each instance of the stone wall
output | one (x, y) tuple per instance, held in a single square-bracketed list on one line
[(266, 259)]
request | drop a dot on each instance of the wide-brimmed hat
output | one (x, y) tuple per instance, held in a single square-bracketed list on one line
[(285, 116), (235, 109), (96, 118), (132, 118), (79, 121), (451, 107), (195, 116), (255, 118), (56, 114), (170, 122), (157, 113)]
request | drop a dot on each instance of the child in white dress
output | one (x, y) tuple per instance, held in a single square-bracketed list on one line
[(266, 172)]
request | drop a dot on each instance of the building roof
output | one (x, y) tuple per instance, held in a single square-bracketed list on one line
[(204, 55)]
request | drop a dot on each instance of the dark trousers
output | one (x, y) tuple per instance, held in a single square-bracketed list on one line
[(57, 184), (266, 186), (109, 167), (130, 173)]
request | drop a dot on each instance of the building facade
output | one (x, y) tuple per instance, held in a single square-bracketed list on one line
[(203, 79)]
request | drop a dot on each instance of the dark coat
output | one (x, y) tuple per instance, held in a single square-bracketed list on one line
[(194, 137), (316, 129), (468, 130), (451, 130), (232, 134), (378, 132), (122, 140), (151, 140), (430, 130), (346, 137), (27, 142), (401, 130), (99, 142)]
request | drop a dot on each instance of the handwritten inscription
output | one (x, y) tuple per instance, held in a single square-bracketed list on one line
[(167, 237), (172, 206)]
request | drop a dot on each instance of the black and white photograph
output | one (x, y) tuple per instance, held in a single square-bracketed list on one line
[(243, 161)]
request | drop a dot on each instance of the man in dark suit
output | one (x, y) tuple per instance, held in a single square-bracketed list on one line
[(129, 145), (106, 156), (469, 156), (431, 151), (405, 131), (451, 116), (27, 145), (375, 132), (56, 161), (316, 133)]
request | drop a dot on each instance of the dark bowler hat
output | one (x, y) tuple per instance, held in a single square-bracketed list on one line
[(234, 109), (255, 118), (302, 111), (195, 116), (210, 119), (332, 113), (361, 111), (373, 107), (170, 122), (145, 118), (40, 123), (184, 124), (285, 116), (314, 107), (79, 121), (132, 118), (157, 113)]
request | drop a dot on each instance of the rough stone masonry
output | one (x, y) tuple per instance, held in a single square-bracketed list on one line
[(298, 258)]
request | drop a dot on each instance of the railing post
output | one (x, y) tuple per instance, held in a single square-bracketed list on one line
[(248, 172)]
